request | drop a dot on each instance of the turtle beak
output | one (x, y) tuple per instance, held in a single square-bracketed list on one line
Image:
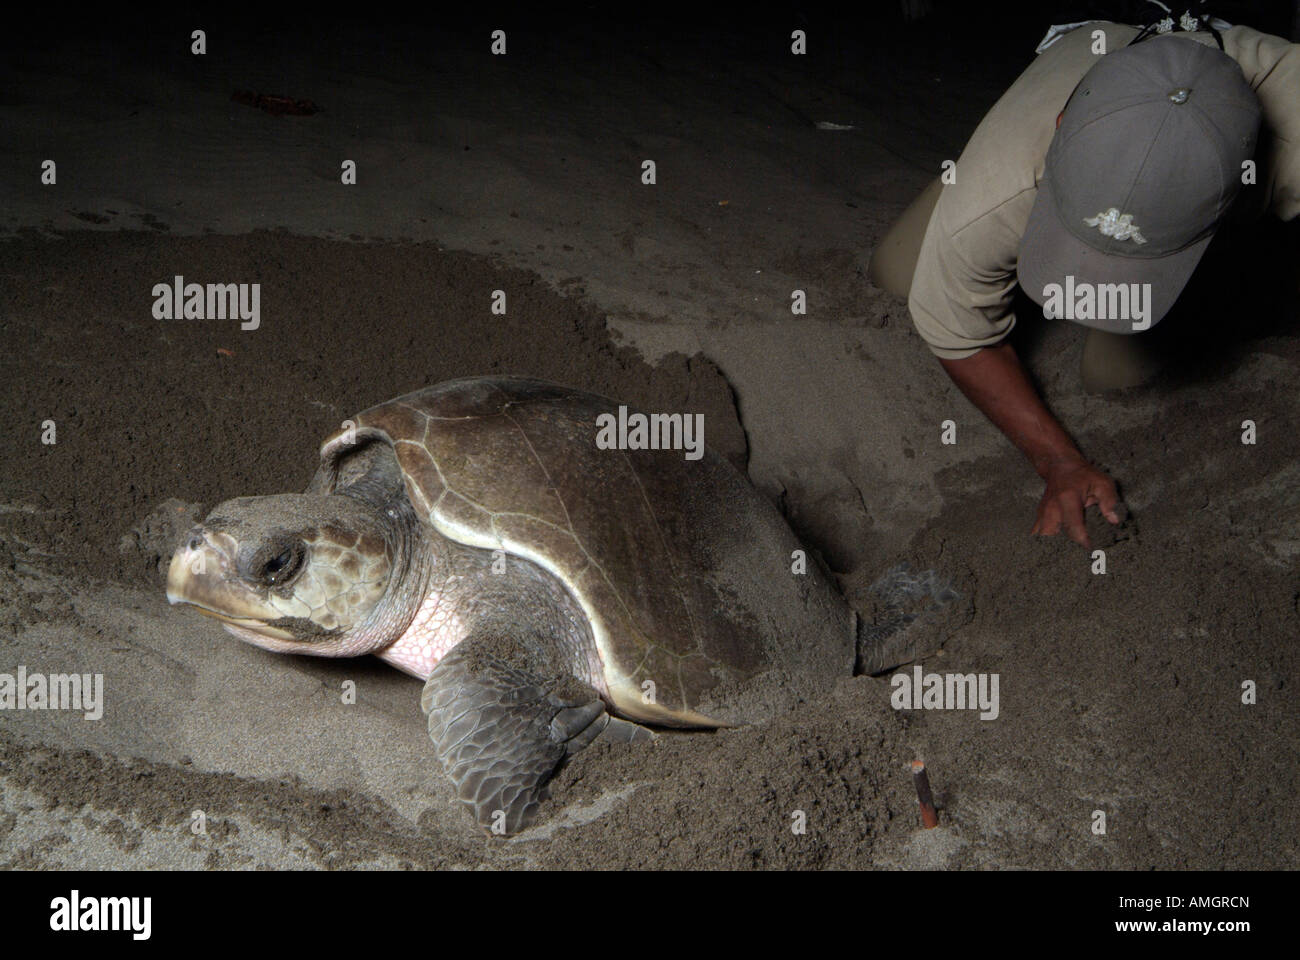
[(198, 569), (202, 575)]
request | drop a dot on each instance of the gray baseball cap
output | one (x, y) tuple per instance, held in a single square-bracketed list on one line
[(1147, 159)]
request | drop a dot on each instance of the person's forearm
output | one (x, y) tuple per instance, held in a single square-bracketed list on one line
[(997, 384)]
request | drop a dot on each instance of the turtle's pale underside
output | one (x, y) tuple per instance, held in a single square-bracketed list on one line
[(548, 591)]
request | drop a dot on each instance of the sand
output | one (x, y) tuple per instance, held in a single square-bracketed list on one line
[(1120, 693)]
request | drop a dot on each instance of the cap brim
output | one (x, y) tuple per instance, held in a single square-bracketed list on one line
[(1049, 253)]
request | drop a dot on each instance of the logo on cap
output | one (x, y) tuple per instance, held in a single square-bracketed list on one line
[(1112, 223)]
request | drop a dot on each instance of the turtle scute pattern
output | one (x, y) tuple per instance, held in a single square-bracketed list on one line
[(513, 465)]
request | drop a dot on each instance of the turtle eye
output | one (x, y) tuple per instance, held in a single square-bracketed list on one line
[(281, 567)]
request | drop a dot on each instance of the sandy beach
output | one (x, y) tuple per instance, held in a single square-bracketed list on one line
[(1120, 692)]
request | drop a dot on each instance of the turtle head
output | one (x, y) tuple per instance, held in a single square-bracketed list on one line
[(292, 573)]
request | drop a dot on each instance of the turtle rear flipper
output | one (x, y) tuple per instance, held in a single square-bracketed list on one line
[(911, 607), (502, 726)]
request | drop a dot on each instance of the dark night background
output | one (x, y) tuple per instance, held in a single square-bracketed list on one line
[(1121, 693)]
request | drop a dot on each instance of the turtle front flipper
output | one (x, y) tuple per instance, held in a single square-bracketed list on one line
[(912, 611), (503, 723)]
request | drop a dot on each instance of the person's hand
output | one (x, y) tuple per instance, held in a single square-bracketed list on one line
[(1072, 487)]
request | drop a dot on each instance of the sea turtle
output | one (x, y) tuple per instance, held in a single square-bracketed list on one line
[(548, 589)]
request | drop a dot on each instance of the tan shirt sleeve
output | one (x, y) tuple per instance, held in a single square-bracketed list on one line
[(966, 272), (1271, 66), (965, 275)]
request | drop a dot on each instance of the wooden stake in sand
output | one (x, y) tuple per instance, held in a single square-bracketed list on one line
[(929, 816)]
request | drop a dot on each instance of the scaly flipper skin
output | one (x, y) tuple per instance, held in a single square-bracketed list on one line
[(479, 535), (502, 724), (910, 604)]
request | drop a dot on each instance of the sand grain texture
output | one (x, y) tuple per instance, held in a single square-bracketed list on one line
[(1119, 693)]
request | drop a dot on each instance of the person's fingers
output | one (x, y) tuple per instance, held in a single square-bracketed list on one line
[(1072, 516), (1067, 507), (1040, 517), (1049, 518), (1106, 498)]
